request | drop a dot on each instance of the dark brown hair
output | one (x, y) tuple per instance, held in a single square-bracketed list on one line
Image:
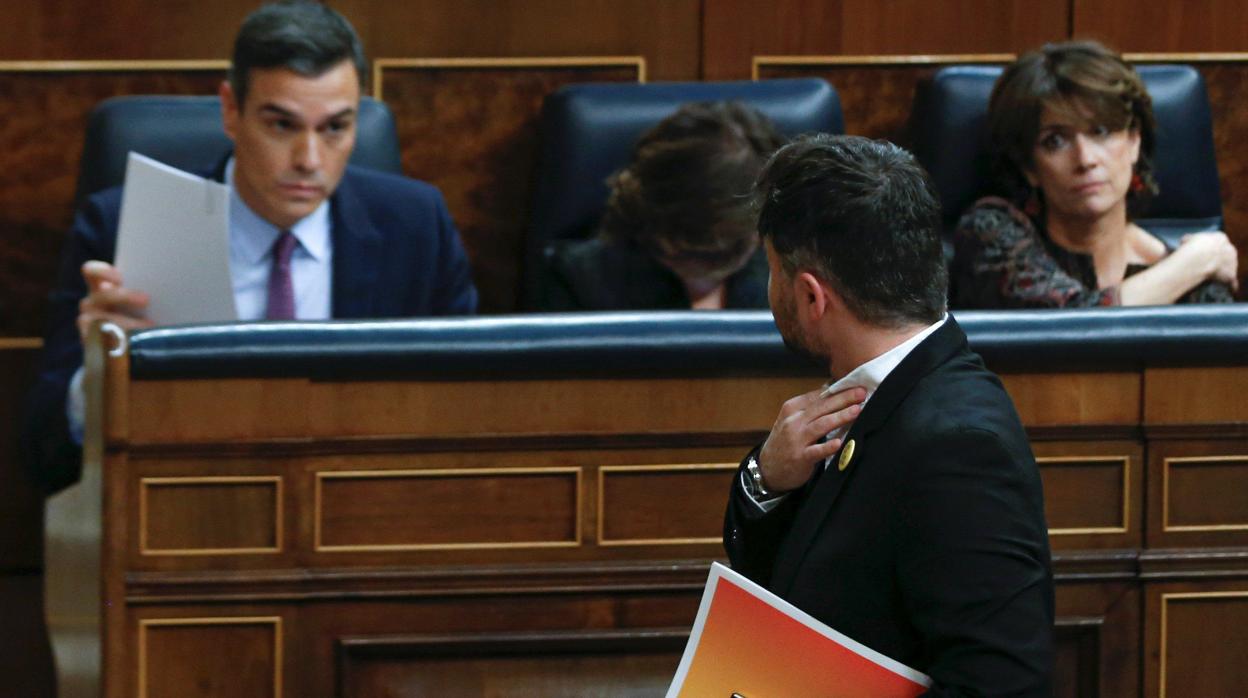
[(685, 197), (1082, 78), (863, 216)]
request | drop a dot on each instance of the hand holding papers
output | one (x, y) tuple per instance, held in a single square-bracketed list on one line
[(749, 642), (173, 243)]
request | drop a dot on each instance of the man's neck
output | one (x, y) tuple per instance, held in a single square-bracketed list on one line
[(862, 342)]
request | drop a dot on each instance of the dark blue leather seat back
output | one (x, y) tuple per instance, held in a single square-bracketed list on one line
[(950, 139), (588, 131), (186, 132)]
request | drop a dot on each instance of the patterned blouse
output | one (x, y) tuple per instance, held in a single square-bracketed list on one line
[(1003, 259)]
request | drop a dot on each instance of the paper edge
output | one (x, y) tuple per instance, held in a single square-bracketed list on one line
[(719, 571)]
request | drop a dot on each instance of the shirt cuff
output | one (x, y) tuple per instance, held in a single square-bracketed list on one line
[(76, 407), (767, 504)]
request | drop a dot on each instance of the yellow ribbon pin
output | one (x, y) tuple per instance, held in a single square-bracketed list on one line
[(847, 454)]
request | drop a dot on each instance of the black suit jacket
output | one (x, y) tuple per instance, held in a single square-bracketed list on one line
[(396, 254), (931, 545)]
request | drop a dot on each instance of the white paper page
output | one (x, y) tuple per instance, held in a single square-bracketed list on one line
[(173, 243)]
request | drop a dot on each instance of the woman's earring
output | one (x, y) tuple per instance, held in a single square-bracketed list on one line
[(1137, 183)]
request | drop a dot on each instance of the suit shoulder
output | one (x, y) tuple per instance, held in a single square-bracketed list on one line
[(961, 395), (372, 184)]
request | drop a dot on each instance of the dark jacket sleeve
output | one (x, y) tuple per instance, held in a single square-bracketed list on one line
[(974, 567), (751, 536), (454, 292), (54, 458)]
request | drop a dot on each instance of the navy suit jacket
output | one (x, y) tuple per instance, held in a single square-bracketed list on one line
[(396, 254), (931, 545)]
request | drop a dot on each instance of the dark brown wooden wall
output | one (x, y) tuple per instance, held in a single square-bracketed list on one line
[(43, 111)]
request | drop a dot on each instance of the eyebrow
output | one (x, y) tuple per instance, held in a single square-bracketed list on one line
[(286, 113)]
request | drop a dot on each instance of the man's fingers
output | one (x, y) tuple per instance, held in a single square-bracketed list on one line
[(823, 451), (829, 422), (115, 299), (95, 272), (832, 402)]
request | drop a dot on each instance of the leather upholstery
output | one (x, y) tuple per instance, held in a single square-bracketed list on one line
[(186, 132), (677, 343), (588, 131), (950, 139)]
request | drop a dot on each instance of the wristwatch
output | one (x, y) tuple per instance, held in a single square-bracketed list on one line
[(754, 480)]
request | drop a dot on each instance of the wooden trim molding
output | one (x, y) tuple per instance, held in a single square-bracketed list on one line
[(103, 66), (18, 343), (274, 621), (759, 62), (381, 64), (146, 483), (605, 470), (1166, 598), (1125, 461), (1166, 464), (318, 512)]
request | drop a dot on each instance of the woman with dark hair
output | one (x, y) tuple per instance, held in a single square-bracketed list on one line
[(1072, 138), (678, 231)]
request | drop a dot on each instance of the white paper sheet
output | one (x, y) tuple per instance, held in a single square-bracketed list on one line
[(173, 243)]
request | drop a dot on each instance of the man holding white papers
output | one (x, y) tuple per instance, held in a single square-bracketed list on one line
[(901, 505), (310, 237)]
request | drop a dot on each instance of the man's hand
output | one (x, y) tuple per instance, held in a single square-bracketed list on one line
[(107, 299), (792, 450)]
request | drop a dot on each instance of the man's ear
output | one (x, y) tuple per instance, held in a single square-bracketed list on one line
[(229, 110), (812, 296)]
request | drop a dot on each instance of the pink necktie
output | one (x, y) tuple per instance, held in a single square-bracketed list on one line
[(281, 290)]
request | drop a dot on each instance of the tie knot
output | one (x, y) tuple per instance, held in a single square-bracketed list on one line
[(284, 247)]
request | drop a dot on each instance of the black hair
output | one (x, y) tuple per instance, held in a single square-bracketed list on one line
[(863, 216), (305, 36)]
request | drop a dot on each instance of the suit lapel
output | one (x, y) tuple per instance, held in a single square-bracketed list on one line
[(922, 360), (357, 250)]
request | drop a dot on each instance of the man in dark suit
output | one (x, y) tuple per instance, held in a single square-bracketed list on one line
[(310, 237), (901, 505)]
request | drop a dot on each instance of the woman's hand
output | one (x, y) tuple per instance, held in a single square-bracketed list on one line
[(1215, 254)]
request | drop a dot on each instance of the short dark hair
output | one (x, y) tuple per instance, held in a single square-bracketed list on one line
[(305, 36), (863, 216), (685, 197), (1070, 76)]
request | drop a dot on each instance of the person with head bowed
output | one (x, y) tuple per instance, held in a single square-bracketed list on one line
[(901, 505), (678, 231), (1072, 139), (310, 237)]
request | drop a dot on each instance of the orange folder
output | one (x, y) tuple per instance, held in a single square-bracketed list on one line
[(749, 642)]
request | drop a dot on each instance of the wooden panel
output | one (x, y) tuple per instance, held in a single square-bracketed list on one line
[(1075, 398), (1196, 639), (1086, 494), (210, 515), (471, 129), (550, 663), (737, 30), (1200, 497), (233, 410), (1207, 493), (211, 657), (40, 147), (1195, 395), (1189, 25), (665, 32), (25, 657), (447, 509), (665, 504), (21, 504), (1097, 638)]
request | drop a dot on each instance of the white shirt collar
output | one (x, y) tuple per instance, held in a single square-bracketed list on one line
[(252, 237), (871, 374)]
